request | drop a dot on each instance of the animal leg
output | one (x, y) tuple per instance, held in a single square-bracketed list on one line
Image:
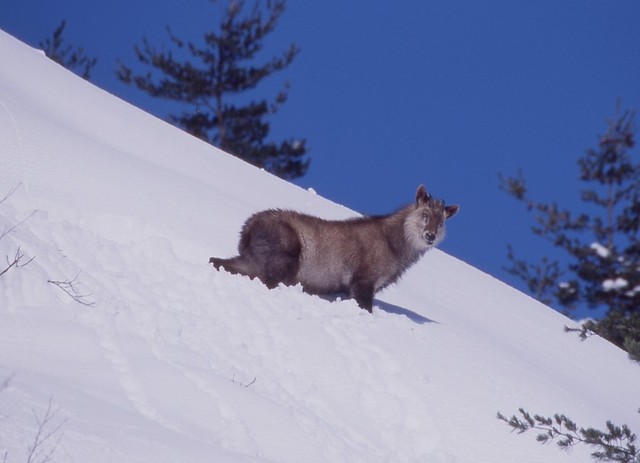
[(217, 262), (363, 294), (236, 265)]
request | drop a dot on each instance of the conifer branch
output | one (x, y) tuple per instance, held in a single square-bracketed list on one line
[(616, 444)]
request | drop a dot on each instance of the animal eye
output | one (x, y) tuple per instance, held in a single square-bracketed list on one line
[(425, 217)]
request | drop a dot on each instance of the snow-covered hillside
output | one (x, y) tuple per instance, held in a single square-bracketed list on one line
[(146, 354)]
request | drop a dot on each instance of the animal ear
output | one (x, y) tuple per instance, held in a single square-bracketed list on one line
[(422, 196), (450, 211)]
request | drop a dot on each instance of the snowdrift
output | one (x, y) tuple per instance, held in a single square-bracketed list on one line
[(121, 343)]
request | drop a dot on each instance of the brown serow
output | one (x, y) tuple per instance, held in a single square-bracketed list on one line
[(357, 257)]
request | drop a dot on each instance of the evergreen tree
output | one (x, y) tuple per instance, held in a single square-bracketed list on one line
[(601, 243), (208, 82), (71, 58)]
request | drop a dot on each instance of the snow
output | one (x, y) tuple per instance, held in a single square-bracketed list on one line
[(152, 356), (614, 285), (601, 250)]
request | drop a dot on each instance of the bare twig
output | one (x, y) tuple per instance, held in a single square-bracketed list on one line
[(70, 288), (5, 383), (40, 451), (15, 262), (7, 196), (10, 229), (250, 383), (583, 332), (11, 192)]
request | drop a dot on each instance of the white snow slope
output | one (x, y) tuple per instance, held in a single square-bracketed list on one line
[(159, 358)]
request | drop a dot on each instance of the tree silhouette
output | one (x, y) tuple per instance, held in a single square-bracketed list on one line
[(209, 80), (602, 243), (71, 58)]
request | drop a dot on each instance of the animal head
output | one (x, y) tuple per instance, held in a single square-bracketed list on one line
[(425, 225)]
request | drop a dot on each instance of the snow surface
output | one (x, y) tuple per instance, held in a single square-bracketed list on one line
[(159, 358)]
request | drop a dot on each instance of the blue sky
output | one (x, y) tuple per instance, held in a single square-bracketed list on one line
[(389, 95)]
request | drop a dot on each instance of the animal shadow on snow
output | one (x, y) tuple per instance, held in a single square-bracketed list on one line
[(397, 310), (386, 307)]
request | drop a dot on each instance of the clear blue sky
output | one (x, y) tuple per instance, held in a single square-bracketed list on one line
[(393, 94)]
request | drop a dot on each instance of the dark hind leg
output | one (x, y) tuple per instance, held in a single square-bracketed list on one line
[(236, 265), (269, 250), (273, 248), (218, 262)]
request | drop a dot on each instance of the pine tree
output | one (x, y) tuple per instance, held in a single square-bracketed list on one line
[(601, 243), (209, 80), (71, 58)]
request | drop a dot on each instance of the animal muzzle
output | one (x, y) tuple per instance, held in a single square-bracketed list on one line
[(430, 237)]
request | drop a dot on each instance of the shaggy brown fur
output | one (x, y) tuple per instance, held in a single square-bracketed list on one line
[(359, 256)]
